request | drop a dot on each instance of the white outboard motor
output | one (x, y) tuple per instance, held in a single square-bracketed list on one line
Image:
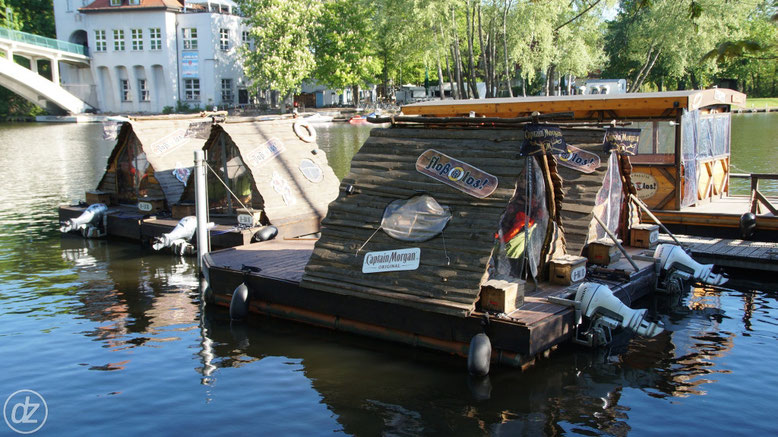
[(180, 236), (92, 223), (677, 268), (606, 313)]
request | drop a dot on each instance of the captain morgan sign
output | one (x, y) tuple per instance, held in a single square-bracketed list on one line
[(391, 260), (455, 173)]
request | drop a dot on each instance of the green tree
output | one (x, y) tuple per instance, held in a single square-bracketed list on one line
[(344, 46), (281, 30)]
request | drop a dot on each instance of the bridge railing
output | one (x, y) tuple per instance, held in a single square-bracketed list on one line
[(43, 41)]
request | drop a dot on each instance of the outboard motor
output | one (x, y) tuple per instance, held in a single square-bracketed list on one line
[(179, 237), (606, 312), (92, 223), (678, 268)]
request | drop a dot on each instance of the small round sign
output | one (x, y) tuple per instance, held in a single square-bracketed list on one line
[(645, 184)]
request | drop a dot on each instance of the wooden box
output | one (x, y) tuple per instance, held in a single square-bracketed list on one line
[(502, 296), (150, 206), (644, 235), (97, 196), (567, 269), (603, 252), (181, 210)]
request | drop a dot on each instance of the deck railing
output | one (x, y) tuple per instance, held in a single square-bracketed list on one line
[(43, 41), (757, 197)]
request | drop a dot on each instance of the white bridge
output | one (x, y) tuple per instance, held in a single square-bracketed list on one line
[(28, 83)]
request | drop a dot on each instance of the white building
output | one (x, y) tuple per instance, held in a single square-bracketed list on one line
[(149, 54)]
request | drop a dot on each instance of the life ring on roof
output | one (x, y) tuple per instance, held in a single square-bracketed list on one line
[(304, 131)]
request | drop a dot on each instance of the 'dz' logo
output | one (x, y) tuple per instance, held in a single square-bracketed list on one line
[(460, 175), (25, 411)]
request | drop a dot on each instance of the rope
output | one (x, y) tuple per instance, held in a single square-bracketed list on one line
[(445, 252), (226, 187), (367, 241)]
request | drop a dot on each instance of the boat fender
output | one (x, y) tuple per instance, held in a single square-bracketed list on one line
[(747, 225), (239, 305), (304, 131), (348, 189), (480, 355), (266, 233)]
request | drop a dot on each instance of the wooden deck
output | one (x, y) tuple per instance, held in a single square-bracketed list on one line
[(750, 255), (275, 268), (129, 223), (720, 217)]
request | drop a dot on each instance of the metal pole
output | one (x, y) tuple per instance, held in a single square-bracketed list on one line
[(645, 209), (201, 208), (616, 241)]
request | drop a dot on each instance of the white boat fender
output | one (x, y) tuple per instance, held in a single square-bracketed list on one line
[(480, 355), (239, 305), (304, 131), (266, 233), (747, 225)]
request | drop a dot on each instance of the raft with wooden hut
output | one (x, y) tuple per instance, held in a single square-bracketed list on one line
[(145, 183), (448, 230), (681, 165)]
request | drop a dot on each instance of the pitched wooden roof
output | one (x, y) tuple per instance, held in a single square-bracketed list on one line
[(305, 197), (589, 106), (167, 146)]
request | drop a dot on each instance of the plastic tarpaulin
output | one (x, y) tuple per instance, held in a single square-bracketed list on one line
[(607, 205), (704, 137), (513, 237)]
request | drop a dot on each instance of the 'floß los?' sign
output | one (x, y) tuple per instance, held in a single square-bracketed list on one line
[(579, 159), (460, 175), (391, 260)]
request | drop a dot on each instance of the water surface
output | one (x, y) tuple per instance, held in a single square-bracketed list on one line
[(113, 337)]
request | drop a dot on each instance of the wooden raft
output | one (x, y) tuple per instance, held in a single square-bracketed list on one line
[(383, 171)]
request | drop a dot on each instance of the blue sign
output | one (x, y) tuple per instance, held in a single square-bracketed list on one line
[(190, 64)]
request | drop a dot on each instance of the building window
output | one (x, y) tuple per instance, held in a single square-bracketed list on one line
[(69, 5), (190, 38), (192, 89), (137, 39), (101, 43), (224, 39), (125, 89), (118, 40), (227, 96), (134, 2), (116, 2), (245, 37), (143, 90), (155, 38)]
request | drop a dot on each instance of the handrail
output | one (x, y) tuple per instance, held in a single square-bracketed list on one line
[(756, 196), (42, 41)]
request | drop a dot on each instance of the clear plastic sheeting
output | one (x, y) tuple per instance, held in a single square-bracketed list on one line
[(521, 236), (416, 219), (607, 206), (705, 136)]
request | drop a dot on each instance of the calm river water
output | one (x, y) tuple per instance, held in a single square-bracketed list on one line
[(112, 337)]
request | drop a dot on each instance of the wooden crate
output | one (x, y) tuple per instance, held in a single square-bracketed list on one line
[(567, 269), (151, 206), (644, 235), (502, 296), (603, 252), (181, 210), (97, 196)]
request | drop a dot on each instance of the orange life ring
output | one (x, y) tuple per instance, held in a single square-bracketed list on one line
[(304, 131)]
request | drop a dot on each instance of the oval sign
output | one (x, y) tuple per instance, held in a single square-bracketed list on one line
[(145, 206), (311, 171), (579, 159), (578, 274), (645, 184), (455, 173)]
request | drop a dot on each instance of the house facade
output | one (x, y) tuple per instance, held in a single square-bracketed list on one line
[(150, 54)]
